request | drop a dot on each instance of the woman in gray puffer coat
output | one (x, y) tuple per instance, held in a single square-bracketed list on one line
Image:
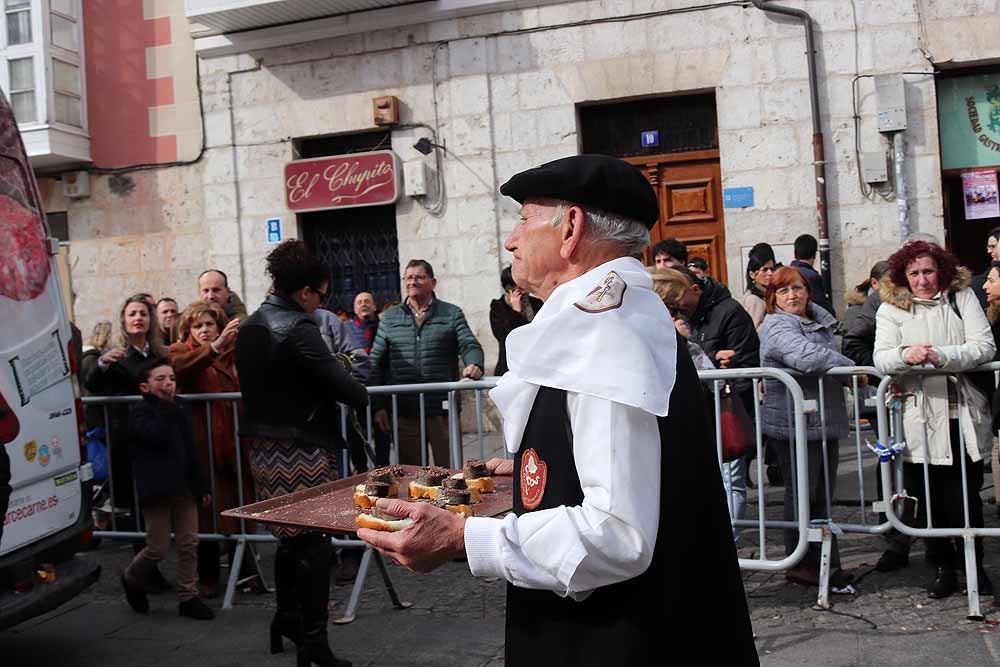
[(798, 335)]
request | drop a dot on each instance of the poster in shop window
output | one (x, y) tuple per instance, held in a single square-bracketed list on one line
[(980, 193)]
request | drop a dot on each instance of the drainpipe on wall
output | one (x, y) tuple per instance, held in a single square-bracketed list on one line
[(819, 158), (236, 173), (899, 156)]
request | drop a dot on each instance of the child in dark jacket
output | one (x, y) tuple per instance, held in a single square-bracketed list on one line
[(169, 485)]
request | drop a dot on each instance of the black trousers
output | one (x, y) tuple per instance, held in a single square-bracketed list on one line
[(816, 493), (947, 508)]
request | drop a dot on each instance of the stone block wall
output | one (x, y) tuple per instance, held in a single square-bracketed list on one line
[(502, 91)]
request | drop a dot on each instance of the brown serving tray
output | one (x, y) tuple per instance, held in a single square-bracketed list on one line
[(330, 507)]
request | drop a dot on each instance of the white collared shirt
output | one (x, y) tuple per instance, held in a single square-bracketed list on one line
[(626, 353)]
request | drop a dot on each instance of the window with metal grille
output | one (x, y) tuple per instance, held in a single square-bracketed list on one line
[(358, 245), (684, 123)]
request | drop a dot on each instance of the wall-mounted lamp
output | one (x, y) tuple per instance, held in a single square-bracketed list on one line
[(425, 146)]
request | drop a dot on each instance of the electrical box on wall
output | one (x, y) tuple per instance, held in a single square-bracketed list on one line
[(891, 98), (76, 184), (418, 179), (874, 167), (385, 110)]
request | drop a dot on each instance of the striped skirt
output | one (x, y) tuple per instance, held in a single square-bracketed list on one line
[(280, 467)]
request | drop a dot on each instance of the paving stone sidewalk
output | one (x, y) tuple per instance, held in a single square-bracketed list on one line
[(457, 620)]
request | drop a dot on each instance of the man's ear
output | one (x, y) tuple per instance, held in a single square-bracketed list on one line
[(299, 296), (572, 231)]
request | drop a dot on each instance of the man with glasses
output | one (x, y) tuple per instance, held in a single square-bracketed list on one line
[(419, 341), (979, 281)]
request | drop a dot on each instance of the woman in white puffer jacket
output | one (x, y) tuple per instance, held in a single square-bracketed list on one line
[(929, 316)]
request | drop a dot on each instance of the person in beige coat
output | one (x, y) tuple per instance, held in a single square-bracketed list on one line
[(930, 317), (760, 269)]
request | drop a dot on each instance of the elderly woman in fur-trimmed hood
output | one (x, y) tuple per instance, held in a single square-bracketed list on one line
[(930, 317)]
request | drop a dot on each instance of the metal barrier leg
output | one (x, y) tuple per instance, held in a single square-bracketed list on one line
[(396, 602), (972, 578), (234, 572), (823, 599), (255, 558), (358, 589)]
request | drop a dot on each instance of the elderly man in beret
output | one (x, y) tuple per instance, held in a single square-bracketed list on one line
[(620, 541)]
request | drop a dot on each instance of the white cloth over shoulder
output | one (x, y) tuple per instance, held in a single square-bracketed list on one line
[(608, 340), (624, 353)]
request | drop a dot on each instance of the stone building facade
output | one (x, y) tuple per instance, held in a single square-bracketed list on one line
[(504, 89)]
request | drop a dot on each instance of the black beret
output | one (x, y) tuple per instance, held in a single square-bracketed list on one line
[(598, 181)]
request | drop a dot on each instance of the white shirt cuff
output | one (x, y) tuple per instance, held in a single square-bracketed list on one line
[(484, 546)]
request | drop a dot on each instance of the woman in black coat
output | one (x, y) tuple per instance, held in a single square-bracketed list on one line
[(291, 384), (116, 373), (512, 310)]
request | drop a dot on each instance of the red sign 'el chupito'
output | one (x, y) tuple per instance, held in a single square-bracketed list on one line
[(342, 181)]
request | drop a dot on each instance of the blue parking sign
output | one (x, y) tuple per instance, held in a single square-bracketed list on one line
[(274, 230)]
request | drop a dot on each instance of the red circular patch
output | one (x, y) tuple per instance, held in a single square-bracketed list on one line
[(534, 475)]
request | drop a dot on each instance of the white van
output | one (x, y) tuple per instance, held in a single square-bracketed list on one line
[(42, 465)]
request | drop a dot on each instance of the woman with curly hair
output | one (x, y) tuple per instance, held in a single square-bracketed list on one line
[(291, 385), (204, 361), (930, 316)]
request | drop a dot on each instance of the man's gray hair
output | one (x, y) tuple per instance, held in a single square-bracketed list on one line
[(631, 234)]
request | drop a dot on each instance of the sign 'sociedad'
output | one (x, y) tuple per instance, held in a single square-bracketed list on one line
[(343, 181)]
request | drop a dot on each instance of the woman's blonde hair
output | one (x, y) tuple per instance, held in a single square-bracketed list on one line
[(670, 286), (100, 337), (194, 312), (153, 336)]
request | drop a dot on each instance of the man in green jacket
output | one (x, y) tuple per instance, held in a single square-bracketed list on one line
[(419, 341)]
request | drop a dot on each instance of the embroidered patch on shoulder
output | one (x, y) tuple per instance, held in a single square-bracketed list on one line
[(607, 295), (534, 475)]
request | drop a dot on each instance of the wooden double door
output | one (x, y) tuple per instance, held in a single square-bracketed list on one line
[(689, 188)]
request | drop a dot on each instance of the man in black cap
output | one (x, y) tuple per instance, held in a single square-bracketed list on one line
[(620, 538)]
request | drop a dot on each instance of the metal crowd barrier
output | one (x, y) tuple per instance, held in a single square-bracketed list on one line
[(890, 412), (821, 530), (244, 540)]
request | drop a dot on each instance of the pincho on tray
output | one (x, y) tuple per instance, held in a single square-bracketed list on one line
[(347, 504)]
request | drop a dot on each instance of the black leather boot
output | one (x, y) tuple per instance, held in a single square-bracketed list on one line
[(945, 583), (313, 558), (286, 621)]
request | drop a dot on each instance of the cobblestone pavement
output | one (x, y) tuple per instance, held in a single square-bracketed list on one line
[(457, 620)]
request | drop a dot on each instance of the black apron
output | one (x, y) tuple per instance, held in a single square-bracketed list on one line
[(688, 607)]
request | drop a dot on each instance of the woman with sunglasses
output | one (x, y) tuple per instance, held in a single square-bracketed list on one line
[(291, 385), (760, 269)]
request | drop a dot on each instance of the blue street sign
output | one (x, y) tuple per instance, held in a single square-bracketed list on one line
[(737, 197), (274, 230), (650, 138)]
